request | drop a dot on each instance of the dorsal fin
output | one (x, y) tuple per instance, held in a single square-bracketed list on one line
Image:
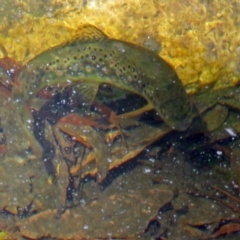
[(89, 32)]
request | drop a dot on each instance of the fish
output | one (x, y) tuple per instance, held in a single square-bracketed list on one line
[(92, 59)]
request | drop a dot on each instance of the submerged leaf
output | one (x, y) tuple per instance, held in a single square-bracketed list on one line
[(226, 229)]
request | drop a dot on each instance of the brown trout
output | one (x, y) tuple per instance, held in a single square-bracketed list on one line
[(92, 59)]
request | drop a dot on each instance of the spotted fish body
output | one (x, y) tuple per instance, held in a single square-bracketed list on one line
[(94, 58)]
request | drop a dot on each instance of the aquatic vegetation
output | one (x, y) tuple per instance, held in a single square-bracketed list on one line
[(199, 38), (77, 138), (59, 132)]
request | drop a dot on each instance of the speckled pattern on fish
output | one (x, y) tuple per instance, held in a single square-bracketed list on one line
[(92, 57)]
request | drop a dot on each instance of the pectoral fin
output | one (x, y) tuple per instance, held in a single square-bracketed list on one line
[(85, 92)]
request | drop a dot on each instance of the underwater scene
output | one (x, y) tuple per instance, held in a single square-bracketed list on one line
[(119, 119)]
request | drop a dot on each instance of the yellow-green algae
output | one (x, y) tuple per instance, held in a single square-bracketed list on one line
[(5, 236), (201, 39)]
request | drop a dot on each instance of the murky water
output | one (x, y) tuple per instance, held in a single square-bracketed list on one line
[(96, 169)]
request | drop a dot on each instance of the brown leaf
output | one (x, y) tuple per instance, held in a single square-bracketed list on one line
[(226, 229)]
